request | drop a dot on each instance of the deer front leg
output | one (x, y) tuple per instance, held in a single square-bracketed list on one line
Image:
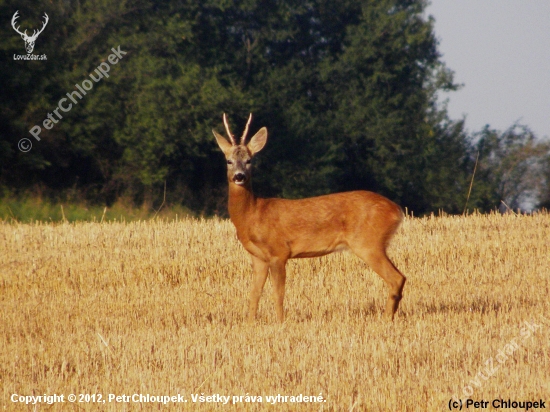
[(278, 274), (260, 275)]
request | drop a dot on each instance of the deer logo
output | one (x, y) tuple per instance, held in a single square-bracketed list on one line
[(29, 40)]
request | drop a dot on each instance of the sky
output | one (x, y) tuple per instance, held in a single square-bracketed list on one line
[(500, 51)]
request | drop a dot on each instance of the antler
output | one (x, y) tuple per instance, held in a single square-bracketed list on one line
[(46, 20), (14, 18), (231, 137), (35, 33), (243, 138)]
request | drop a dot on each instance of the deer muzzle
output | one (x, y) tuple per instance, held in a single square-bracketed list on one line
[(239, 178)]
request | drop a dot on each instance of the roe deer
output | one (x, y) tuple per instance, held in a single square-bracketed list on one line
[(275, 230)]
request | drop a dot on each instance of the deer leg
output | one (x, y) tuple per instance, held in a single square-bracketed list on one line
[(260, 275), (278, 276), (382, 265)]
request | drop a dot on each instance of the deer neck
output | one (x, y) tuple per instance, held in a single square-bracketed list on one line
[(242, 203)]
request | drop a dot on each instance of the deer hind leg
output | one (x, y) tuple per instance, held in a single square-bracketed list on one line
[(382, 265), (278, 276), (260, 275)]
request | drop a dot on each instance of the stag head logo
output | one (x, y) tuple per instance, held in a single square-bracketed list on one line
[(29, 40)]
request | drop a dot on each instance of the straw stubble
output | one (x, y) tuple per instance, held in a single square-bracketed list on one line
[(159, 308)]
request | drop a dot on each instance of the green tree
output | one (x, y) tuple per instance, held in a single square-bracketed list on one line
[(511, 168), (544, 200), (347, 90)]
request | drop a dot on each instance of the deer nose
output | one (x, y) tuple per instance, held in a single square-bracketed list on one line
[(239, 177)]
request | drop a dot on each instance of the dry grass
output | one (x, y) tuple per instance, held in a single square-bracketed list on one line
[(159, 307)]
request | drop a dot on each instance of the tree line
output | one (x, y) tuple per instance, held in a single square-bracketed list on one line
[(347, 89)]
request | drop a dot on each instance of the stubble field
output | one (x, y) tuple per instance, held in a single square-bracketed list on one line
[(159, 308)]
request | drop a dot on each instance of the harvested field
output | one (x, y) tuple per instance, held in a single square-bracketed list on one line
[(159, 308)]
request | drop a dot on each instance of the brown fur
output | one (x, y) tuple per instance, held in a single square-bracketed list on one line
[(275, 230)]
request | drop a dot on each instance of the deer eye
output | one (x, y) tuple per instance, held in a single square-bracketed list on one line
[(248, 161), (229, 162)]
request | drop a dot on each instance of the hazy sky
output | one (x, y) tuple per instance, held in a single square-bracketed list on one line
[(500, 51)]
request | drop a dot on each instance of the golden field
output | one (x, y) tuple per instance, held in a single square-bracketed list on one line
[(159, 308)]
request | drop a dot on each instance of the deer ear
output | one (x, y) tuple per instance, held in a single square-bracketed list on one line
[(258, 141), (222, 142)]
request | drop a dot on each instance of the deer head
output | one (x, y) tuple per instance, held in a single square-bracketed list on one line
[(239, 154), (29, 40)]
